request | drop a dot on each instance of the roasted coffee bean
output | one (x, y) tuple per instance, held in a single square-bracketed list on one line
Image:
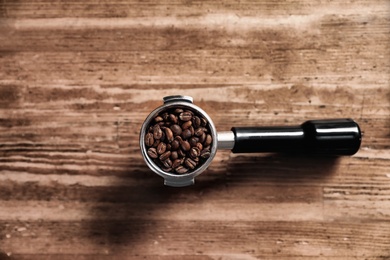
[(181, 153), (196, 159), (191, 164), (149, 140), (158, 119), (185, 146), (199, 146), (186, 134), (166, 169), (208, 140), (196, 121), (165, 156), (193, 141), (162, 139), (161, 148), (156, 143), (176, 130), (168, 134), (176, 163), (186, 125), (167, 163), (185, 116), (194, 152), (174, 155), (205, 154), (157, 132), (202, 138), (191, 128), (152, 153), (181, 169), (165, 116), (178, 111), (203, 121), (199, 131), (173, 118), (169, 147), (189, 111), (175, 145)]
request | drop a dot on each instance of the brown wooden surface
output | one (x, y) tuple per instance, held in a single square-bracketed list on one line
[(77, 79)]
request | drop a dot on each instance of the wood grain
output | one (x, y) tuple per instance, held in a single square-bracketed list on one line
[(77, 79)]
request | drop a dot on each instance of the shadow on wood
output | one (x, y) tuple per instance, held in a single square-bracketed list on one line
[(125, 215), (282, 168)]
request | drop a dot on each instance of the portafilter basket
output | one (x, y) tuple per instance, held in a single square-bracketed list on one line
[(328, 137)]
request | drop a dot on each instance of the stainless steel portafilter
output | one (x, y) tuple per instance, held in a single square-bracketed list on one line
[(330, 137)]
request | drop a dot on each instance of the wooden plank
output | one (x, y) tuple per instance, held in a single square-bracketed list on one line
[(183, 9), (257, 238)]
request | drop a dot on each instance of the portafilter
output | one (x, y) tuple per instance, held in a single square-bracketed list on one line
[(179, 140)]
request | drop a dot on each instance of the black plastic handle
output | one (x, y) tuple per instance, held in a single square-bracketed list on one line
[(327, 137)]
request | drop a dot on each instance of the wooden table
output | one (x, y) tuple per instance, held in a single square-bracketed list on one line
[(78, 78)]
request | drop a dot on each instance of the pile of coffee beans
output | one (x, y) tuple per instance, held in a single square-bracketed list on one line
[(178, 140)]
